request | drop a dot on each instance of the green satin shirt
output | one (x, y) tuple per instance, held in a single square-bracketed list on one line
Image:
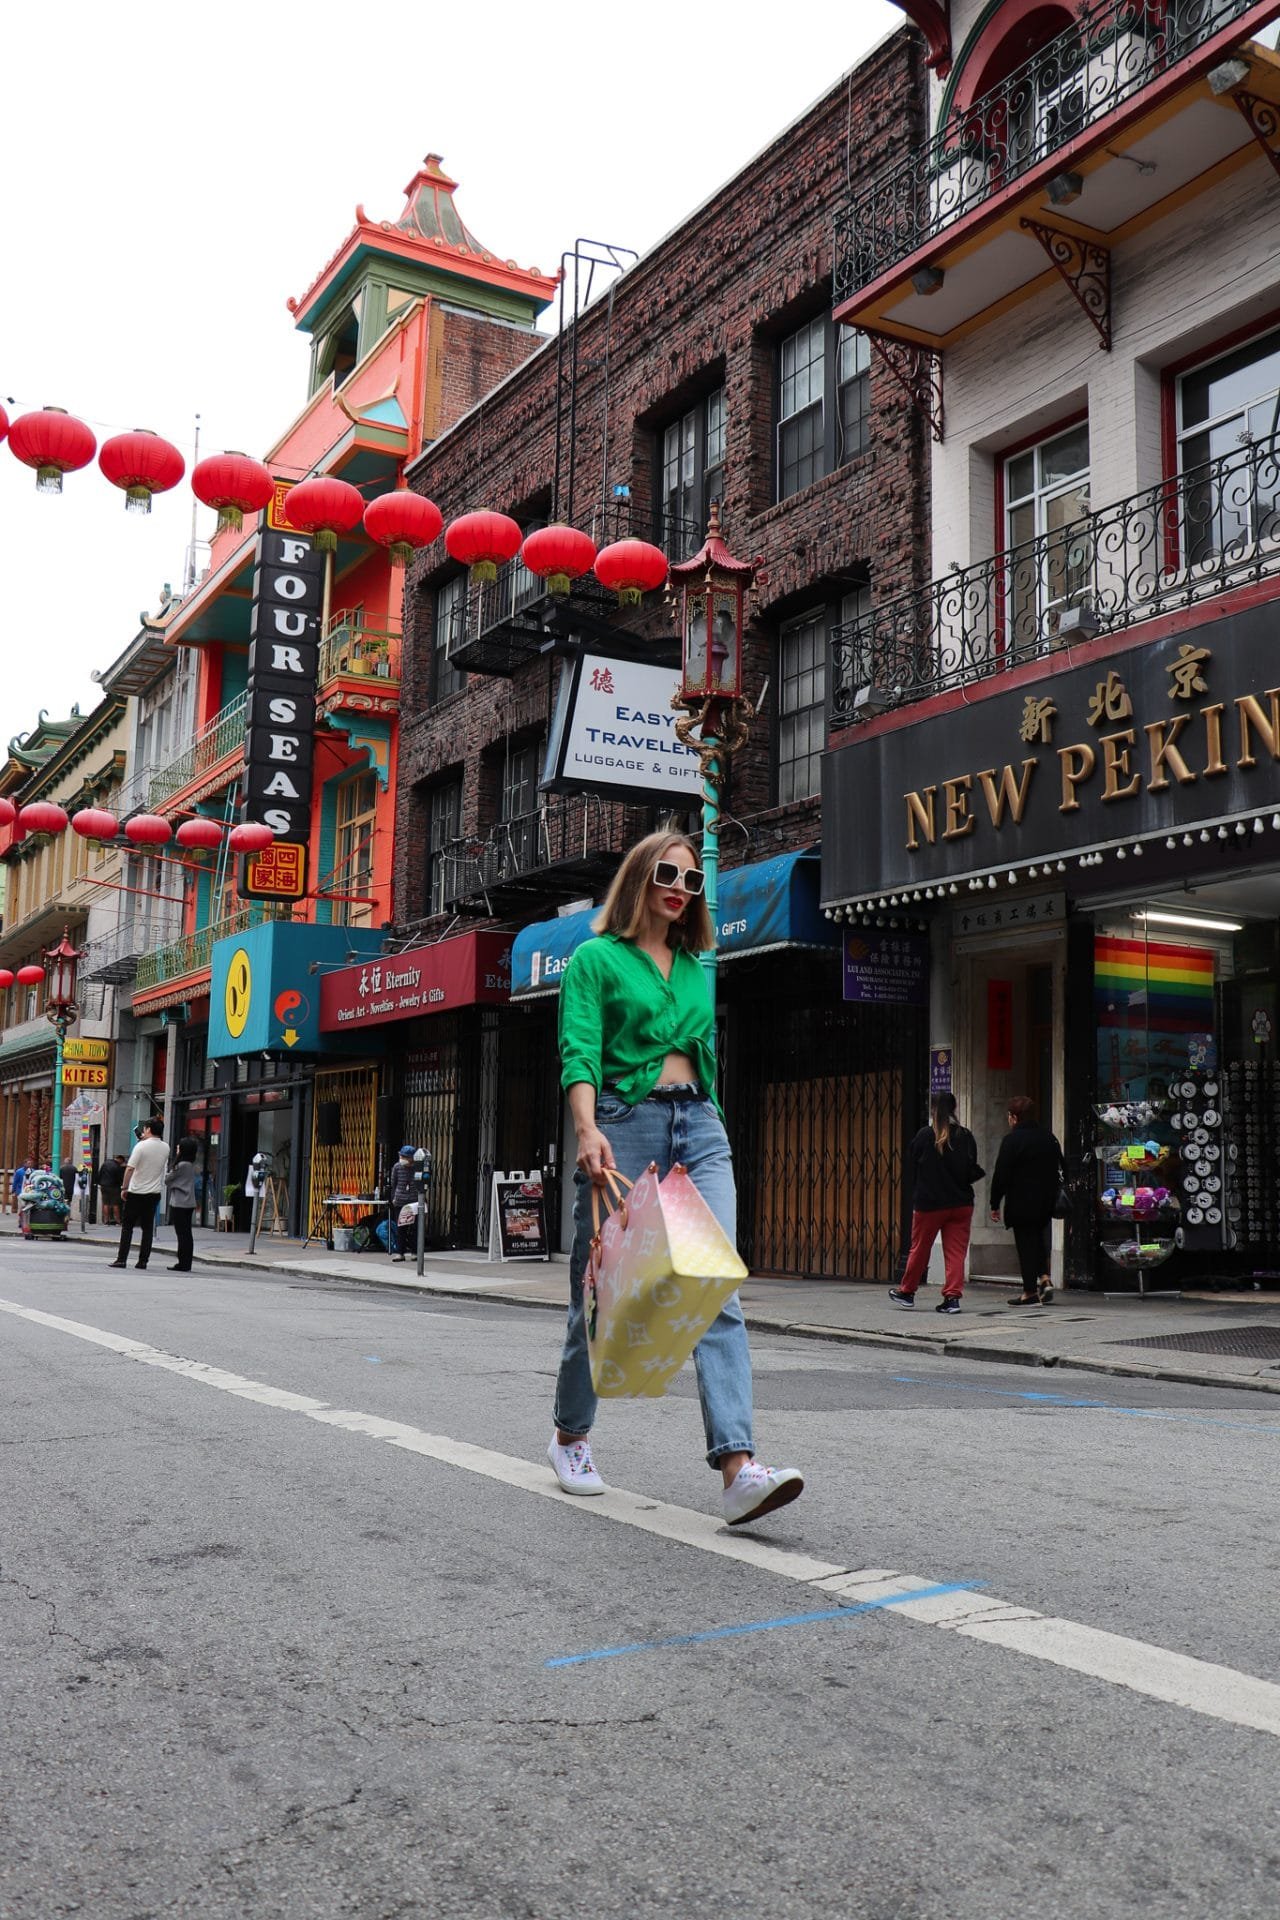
[(619, 1018)]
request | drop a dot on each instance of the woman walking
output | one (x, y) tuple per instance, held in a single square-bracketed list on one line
[(942, 1166), (1028, 1178), (637, 1049), (180, 1183)]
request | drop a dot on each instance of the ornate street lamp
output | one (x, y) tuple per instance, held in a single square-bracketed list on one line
[(60, 964), (716, 717)]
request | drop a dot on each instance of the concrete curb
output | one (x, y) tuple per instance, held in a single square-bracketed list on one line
[(903, 1342)]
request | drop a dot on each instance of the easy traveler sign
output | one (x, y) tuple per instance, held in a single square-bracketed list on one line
[(1151, 740), (615, 728)]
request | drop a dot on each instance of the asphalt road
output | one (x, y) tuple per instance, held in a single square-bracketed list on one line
[(277, 1632)]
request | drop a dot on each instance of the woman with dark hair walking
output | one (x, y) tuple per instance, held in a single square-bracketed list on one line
[(1028, 1178), (180, 1181), (637, 1049), (942, 1166)]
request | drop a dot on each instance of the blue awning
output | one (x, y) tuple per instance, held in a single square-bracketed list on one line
[(762, 907)]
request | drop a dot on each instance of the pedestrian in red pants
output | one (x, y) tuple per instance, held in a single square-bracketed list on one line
[(942, 1166)]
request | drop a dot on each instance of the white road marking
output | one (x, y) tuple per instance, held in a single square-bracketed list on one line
[(1158, 1673)]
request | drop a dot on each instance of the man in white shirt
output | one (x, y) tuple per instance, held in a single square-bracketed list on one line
[(143, 1185)]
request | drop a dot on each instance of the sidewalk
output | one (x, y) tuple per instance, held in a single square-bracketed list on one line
[(1220, 1340)]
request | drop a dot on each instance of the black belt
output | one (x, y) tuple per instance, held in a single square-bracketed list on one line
[(680, 1090)]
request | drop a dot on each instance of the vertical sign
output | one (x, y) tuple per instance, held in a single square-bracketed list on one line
[(284, 649), (1000, 1026), (939, 1071)]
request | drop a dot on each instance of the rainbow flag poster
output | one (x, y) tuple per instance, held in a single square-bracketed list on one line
[(1163, 987)]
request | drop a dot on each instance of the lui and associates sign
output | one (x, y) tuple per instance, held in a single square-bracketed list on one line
[(472, 969)]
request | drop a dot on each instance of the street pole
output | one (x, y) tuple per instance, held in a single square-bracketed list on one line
[(711, 857), (420, 1187), (60, 1026)]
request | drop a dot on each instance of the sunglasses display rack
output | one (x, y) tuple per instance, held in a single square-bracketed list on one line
[(1138, 1199)]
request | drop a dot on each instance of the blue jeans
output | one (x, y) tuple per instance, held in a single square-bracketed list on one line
[(691, 1133)]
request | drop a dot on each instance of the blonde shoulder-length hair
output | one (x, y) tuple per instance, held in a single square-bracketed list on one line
[(623, 909)]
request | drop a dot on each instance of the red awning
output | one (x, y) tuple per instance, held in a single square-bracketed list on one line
[(472, 969)]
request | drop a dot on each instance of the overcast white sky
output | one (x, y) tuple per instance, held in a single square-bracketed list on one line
[(172, 174)]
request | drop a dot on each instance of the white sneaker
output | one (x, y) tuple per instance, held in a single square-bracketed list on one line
[(573, 1466), (759, 1490)]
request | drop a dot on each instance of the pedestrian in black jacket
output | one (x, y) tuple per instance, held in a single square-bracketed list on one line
[(1028, 1177), (942, 1165), (403, 1188)]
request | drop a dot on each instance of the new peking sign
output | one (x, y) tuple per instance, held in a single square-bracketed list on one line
[(284, 649)]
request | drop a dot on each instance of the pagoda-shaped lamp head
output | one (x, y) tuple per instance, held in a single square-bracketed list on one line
[(713, 589), (60, 964)]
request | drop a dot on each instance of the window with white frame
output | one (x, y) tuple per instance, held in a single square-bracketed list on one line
[(1049, 567), (824, 402), (692, 474), (450, 625), (802, 705), (1228, 448)]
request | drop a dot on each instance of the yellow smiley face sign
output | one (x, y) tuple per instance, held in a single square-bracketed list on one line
[(239, 993)]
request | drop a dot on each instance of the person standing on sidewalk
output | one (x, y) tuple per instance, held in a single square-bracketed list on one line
[(110, 1179), (180, 1181), (143, 1185), (942, 1167), (637, 1047), (1028, 1178), (401, 1192)]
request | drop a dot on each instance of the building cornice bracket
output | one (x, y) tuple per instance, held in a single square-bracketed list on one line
[(1262, 117), (918, 372), (1084, 268)]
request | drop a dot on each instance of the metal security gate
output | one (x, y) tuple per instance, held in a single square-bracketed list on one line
[(821, 1099), (448, 1107)]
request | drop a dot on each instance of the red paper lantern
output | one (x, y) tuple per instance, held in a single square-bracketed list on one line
[(250, 837), (199, 833), (95, 823), (483, 541), (54, 442), (142, 464), (42, 817), (8, 813), (233, 483), (402, 521), (324, 507), (6, 978), (631, 567), (147, 830), (558, 555), (29, 976)]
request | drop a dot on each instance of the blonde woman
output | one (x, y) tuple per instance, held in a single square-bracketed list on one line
[(637, 1049)]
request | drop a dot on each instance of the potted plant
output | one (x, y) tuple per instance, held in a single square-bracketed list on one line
[(227, 1211)]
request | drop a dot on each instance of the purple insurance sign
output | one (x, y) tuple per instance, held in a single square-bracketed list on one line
[(886, 969)]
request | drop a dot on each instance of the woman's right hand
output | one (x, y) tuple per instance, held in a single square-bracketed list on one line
[(594, 1154)]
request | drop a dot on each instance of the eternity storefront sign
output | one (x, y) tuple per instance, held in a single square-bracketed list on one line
[(1158, 738), (614, 730), (472, 969), (288, 588)]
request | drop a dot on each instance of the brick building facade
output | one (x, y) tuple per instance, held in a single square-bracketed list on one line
[(711, 370)]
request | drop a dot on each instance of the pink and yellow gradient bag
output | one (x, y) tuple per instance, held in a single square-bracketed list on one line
[(661, 1268)]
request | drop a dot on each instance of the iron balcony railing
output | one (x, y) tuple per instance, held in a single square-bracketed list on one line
[(1175, 545), (349, 647), (194, 951), (115, 957), (1113, 49), (570, 833), (223, 735), (500, 625)]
